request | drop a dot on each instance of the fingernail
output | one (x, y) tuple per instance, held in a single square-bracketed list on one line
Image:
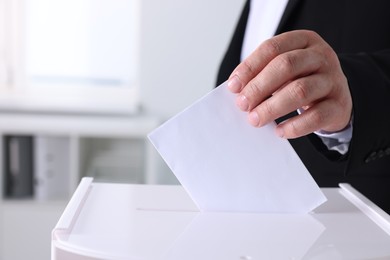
[(280, 132), (242, 102), (234, 84), (253, 118)]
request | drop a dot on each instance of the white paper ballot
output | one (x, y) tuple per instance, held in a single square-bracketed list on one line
[(225, 164)]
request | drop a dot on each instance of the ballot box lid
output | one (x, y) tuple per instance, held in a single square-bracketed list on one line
[(129, 221)]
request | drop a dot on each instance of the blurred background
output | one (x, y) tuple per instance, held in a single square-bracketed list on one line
[(82, 83)]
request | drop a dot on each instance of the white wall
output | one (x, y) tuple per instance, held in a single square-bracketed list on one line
[(182, 45)]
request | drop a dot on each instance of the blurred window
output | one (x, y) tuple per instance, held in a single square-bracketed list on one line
[(85, 49)]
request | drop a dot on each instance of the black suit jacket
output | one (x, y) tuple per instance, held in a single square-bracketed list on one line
[(359, 32)]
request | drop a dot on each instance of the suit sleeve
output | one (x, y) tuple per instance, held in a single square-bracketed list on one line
[(369, 81)]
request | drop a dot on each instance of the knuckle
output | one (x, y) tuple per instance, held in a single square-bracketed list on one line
[(328, 51), (248, 66), (253, 88), (268, 108), (287, 64), (272, 46), (329, 55), (299, 91), (312, 34)]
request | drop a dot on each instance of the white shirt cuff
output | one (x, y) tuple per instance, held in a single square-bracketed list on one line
[(336, 141)]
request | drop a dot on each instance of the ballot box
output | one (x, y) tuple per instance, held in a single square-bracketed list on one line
[(126, 221)]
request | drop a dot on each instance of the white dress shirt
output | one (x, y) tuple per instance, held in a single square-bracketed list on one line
[(263, 20)]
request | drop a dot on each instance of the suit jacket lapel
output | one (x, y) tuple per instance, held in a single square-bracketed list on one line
[(291, 6)]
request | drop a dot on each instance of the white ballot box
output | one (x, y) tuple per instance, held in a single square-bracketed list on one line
[(125, 221)]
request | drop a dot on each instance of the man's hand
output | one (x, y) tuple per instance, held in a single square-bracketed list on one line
[(293, 70)]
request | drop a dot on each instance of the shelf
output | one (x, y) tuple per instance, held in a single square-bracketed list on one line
[(81, 125), (31, 202), (112, 147)]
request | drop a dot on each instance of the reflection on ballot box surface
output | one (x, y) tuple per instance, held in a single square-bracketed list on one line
[(123, 221)]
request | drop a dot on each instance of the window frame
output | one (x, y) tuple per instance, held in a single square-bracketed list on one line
[(17, 95)]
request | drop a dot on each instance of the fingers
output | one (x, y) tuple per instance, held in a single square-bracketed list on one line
[(295, 95), (316, 117), (284, 68), (290, 71), (266, 52)]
